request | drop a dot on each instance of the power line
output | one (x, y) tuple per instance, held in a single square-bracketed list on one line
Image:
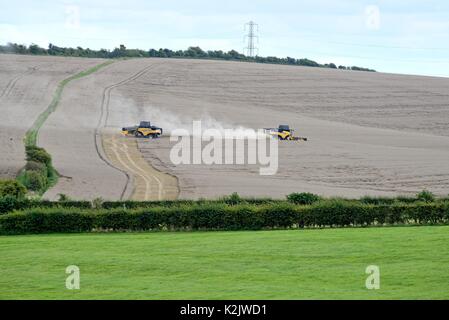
[(372, 58), (251, 36), (318, 38)]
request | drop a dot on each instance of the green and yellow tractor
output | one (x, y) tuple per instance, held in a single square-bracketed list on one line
[(143, 130), (283, 133)]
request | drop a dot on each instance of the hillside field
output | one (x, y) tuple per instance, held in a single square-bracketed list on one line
[(369, 133), (312, 264)]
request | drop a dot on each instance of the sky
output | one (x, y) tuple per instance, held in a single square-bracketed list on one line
[(397, 36)]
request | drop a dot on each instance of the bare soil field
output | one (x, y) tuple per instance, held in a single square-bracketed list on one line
[(369, 133), (73, 134), (27, 84)]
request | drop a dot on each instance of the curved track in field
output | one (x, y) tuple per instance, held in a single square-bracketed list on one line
[(149, 183), (102, 123), (12, 83)]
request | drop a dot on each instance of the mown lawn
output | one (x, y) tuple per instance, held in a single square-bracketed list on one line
[(310, 264)]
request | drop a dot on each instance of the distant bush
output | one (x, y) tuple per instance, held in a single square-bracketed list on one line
[(426, 196), (36, 166), (233, 199), (12, 188), (8, 204), (34, 180), (38, 173), (304, 198), (97, 203), (63, 197), (37, 154)]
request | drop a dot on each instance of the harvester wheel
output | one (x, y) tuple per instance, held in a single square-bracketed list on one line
[(138, 134)]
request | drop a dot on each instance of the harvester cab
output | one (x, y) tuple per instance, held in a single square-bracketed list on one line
[(283, 132), (143, 130)]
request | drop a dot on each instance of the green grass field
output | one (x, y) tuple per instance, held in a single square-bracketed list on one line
[(307, 264)]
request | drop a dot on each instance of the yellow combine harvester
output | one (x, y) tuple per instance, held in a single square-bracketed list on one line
[(143, 130), (283, 133)]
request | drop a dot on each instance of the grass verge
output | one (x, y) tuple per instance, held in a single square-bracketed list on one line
[(310, 264)]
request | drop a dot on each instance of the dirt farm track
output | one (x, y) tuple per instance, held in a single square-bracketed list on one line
[(370, 133)]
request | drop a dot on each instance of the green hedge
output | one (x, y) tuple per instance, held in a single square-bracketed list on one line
[(143, 204), (222, 217), (9, 204), (176, 203)]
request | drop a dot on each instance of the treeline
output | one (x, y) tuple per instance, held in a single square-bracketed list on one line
[(192, 52)]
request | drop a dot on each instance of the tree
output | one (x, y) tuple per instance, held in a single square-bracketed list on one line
[(235, 55), (38, 155), (12, 188), (195, 52), (35, 49), (291, 60), (308, 63), (152, 53), (35, 181)]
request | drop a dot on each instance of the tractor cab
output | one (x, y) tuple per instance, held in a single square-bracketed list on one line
[(145, 124), (284, 128)]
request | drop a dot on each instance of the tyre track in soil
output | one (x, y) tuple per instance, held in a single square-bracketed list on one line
[(102, 123), (116, 149), (150, 183), (12, 83)]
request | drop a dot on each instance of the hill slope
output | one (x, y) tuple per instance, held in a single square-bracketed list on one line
[(370, 133)]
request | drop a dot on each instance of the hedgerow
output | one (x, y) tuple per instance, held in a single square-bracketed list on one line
[(220, 216), (9, 204), (231, 200)]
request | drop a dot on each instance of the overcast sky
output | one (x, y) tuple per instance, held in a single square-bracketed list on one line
[(399, 36)]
